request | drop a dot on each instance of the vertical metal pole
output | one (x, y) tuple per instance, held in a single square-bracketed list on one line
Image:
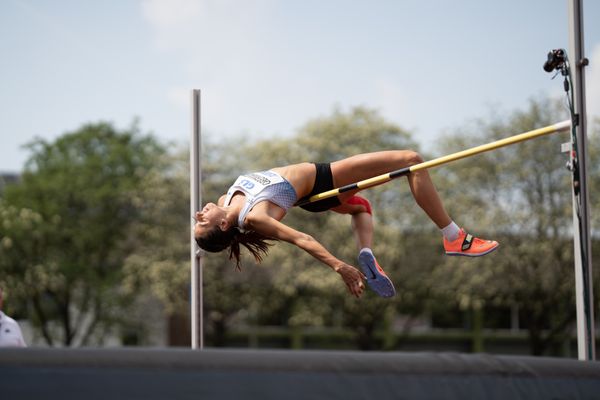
[(195, 203), (581, 218)]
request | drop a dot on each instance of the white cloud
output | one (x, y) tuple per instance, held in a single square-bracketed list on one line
[(168, 14), (203, 27), (223, 48), (180, 97), (392, 99), (173, 21)]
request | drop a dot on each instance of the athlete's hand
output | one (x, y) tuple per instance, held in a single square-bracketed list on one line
[(353, 278)]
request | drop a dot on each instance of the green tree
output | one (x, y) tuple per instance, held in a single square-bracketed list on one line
[(157, 271), (521, 196), (65, 230)]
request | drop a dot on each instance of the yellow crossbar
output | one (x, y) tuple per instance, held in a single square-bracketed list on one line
[(561, 126), (378, 180)]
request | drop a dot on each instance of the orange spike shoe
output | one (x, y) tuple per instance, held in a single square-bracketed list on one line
[(470, 246)]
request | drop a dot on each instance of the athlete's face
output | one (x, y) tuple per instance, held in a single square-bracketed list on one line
[(206, 219)]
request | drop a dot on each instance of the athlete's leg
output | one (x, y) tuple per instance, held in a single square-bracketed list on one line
[(364, 166), (362, 223)]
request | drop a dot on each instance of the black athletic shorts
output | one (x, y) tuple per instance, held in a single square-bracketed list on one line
[(323, 183)]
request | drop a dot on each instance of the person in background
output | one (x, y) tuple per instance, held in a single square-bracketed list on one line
[(10, 332)]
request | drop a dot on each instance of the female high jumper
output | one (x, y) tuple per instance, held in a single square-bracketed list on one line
[(251, 213)]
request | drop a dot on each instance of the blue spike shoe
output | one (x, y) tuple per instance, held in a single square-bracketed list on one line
[(376, 278)]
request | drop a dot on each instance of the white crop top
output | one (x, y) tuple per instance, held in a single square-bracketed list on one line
[(262, 186)]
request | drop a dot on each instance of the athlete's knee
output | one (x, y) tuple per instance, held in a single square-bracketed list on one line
[(412, 157), (360, 201)]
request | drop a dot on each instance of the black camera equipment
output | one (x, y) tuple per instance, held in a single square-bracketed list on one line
[(556, 61)]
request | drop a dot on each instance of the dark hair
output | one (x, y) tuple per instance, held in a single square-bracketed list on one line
[(218, 240)]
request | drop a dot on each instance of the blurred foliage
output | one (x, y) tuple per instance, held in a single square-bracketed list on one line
[(100, 226), (65, 229), (521, 196)]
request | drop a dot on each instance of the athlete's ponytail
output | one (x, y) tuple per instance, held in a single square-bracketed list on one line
[(218, 240)]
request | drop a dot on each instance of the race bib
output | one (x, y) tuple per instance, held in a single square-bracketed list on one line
[(254, 183)]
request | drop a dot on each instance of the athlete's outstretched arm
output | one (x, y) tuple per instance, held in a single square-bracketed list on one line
[(270, 227)]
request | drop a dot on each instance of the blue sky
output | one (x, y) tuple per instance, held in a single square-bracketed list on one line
[(266, 67)]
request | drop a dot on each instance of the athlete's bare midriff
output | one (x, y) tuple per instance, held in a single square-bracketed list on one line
[(300, 176)]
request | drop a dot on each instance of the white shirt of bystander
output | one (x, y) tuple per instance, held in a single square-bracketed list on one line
[(10, 332)]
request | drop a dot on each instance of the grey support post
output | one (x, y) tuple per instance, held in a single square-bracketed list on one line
[(195, 203), (581, 217)]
